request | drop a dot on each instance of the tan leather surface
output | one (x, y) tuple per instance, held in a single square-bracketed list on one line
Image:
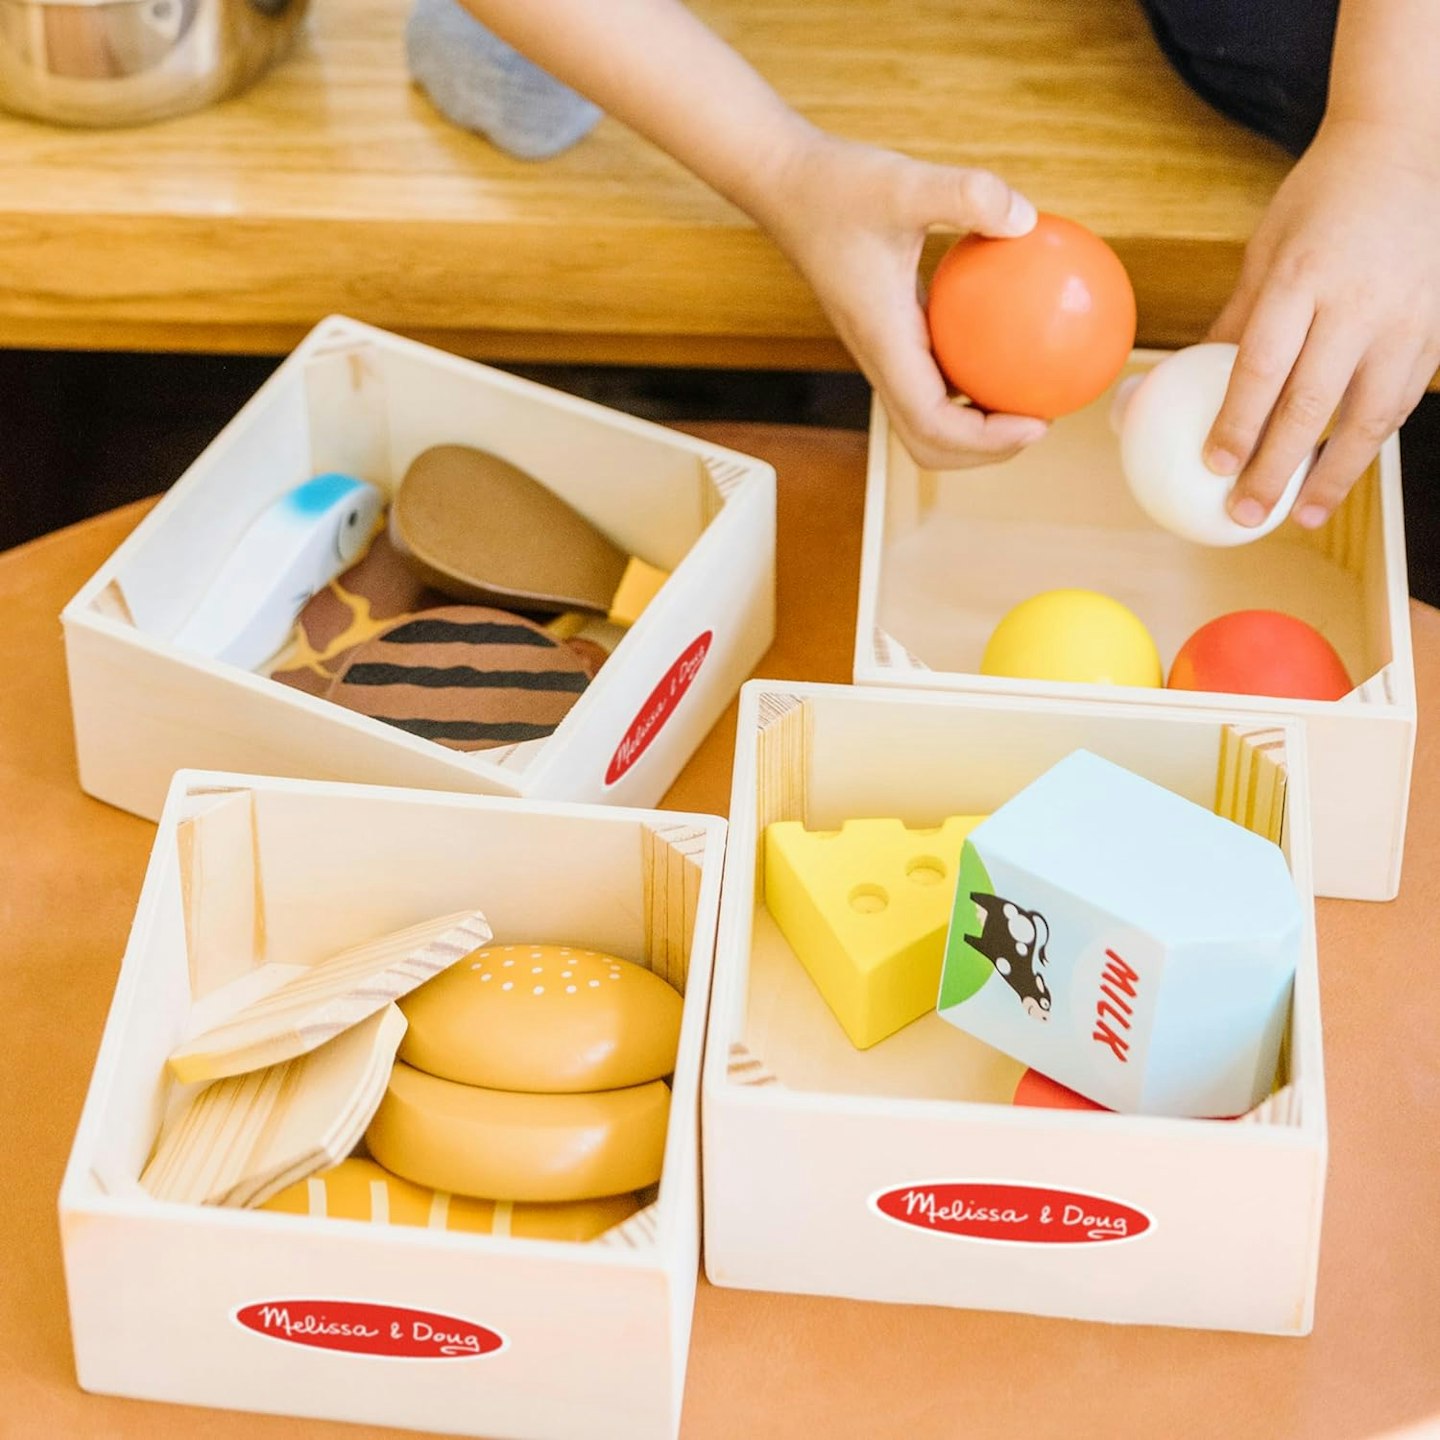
[(760, 1365)]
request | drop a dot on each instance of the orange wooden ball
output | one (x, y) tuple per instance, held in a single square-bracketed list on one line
[(1038, 325), (1261, 652)]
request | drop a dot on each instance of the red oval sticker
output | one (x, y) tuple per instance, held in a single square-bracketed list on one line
[(657, 709), (362, 1328), (1013, 1214)]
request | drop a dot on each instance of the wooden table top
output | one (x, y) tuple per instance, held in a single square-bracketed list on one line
[(333, 186), (771, 1366)]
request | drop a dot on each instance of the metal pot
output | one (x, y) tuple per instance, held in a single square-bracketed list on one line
[(125, 62)]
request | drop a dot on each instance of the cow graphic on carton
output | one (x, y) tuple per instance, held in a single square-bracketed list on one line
[(1013, 940)]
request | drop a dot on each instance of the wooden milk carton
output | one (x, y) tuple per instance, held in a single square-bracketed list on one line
[(1125, 942)]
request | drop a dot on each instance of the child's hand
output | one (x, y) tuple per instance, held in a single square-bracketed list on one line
[(853, 218), (1338, 306)]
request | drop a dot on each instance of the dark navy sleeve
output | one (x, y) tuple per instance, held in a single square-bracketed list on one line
[(1264, 63)]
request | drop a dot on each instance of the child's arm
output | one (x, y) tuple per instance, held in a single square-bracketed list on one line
[(851, 217), (1339, 300)]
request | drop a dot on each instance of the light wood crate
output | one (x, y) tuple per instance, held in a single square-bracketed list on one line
[(946, 555), (802, 1133), (359, 400), (595, 1335)]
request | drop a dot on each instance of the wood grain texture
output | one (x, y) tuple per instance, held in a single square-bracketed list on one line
[(243, 1139), (334, 186), (672, 857), (329, 998)]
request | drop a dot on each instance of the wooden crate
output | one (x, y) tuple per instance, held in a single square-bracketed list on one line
[(804, 1136), (361, 401), (593, 1337), (947, 554)]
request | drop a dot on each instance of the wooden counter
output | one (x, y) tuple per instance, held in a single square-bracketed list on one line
[(333, 186)]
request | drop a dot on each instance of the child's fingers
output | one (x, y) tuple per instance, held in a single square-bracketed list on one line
[(944, 434), (939, 431), (958, 437), (1230, 323), (965, 199), (1311, 394), (1387, 386), (1273, 338)]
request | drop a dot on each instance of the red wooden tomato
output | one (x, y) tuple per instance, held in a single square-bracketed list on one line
[(1038, 325), (1261, 652), (1039, 1090), (1043, 1093)]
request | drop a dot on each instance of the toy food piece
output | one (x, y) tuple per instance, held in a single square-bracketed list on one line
[(241, 1140), (543, 1018), (592, 655), (512, 1146), (482, 530), (592, 639), (865, 909), (1163, 425), (1044, 1093), (1261, 652), (322, 1001), (358, 1189), (466, 677), (1126, 942), (1038, 325), (292, 549), (356, 606), (1040, 1091), (1073, 635)]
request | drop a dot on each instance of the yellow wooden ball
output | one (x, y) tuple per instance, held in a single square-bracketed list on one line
[(1076, 635)]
